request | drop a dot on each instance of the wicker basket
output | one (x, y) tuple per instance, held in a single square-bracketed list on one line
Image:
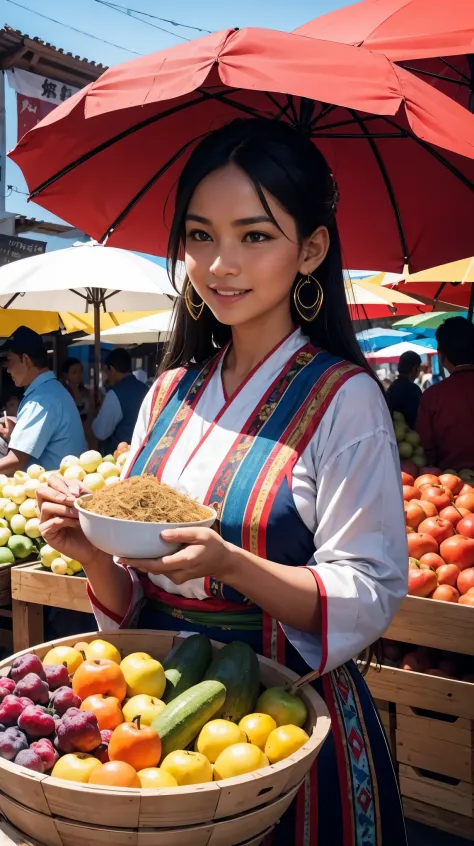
[(226, 813)]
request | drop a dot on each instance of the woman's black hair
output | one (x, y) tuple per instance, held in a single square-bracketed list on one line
[(283, 162)]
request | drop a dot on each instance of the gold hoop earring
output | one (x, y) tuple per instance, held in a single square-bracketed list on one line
[(194, 310), (311, 311)]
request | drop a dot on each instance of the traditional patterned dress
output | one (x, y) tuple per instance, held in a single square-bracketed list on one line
[(301, 466)]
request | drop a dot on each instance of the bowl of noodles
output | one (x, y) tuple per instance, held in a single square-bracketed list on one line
[(127, 519)]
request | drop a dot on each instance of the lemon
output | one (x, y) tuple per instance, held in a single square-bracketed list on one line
[(216, 736), (284, 741), (257, 727)]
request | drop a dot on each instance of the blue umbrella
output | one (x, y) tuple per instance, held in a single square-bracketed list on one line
[(371, 340)]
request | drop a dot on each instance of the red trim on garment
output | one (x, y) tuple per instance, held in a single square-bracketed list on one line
[(212, 604), (229, 400), (178, 375), (339, 742), (103, 610), (324, 617)]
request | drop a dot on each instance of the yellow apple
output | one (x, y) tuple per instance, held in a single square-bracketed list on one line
[(64, 654), (32, 528), (68, 461), (75, 566), (18, 524), (98, 649), (28, 508), (59, 567), (143, 674), (147, 707), (75, 472), (154, 778), (76, 766), (48, 555), (21, 476), (18, 494), (10, 510), (121, 460), (90, 460), (35, 471), (3, 504), (94, 481), (30, 487), (107, 469)]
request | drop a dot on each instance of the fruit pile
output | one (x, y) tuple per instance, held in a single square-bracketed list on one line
[(439, 516), (93, 470), (20, 536), (86, 714), (432, 662), (409, 446)]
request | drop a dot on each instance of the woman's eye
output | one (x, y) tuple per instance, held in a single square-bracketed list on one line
[(199, 235), (256, 237)]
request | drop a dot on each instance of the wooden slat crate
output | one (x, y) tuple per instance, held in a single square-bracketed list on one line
[(388, 719), (433, 789), (439, 818), (426, 622), (448, 696)]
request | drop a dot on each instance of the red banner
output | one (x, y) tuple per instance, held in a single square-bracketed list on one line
[(36, 96), (30, 111)]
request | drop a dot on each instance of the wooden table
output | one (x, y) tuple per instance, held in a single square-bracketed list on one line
[(33, 587)]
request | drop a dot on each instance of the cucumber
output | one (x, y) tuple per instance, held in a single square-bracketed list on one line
[(236, 666), (185, 665), (182, 720)]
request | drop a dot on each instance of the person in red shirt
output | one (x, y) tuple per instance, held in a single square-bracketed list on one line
[(445, 420)]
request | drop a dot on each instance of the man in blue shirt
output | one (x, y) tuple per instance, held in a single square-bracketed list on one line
[(118, 414), (48, 425)]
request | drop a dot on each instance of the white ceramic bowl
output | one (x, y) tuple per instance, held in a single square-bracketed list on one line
[(129, 539)]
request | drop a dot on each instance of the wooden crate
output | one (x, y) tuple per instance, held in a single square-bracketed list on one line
[(439, 743), (221, 813), (5, 584), (441, 625), (456, 824), (448, 696), (32, 588), (440, 791)]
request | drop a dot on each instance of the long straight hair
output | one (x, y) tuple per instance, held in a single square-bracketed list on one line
[(281, 161)]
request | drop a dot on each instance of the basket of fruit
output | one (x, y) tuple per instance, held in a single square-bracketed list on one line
[(152, 738)]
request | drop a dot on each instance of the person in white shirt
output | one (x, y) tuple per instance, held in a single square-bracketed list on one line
[(267, 411), (118, 413)]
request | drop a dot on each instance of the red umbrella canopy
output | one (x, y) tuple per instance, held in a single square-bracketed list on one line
[(435, 38), (107, 160)]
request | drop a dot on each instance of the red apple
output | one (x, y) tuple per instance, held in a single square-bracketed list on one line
[(433, 561), (421, 582), (465, 500), (426, 479), (453, 514), (448, 574), (414, 514), (410, 492), (458, 550), (445, 593), (466, 526), (439, 496), (454, 483), (419, 545), (465, 581), (407, 479), (436, 527)]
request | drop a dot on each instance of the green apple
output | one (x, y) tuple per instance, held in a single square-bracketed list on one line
[(10, 510), (21, 546), (6, 555), (4, 523), (59, 567), (282, 706), (35, 471), (412, 438), (107, 469), (75, 472), (405, 449), (94, 481), (143, 674), (18, 524), (5, 535), (90, 460), (400, 430), (48, 555), (18, 494), (28, 509), (32, 529)]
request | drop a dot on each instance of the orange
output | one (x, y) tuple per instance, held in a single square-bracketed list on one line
[(106, 708), (115, 773), (99, 676)]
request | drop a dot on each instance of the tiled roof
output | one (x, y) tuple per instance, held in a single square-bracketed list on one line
[(31, 53)]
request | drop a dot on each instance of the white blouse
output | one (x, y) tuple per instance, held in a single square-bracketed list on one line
[(346, 487)]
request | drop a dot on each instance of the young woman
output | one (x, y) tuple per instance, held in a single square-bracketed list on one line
[(72, 377), (267, 411)]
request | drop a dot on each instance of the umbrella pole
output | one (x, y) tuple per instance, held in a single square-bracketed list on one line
[(96, 347)]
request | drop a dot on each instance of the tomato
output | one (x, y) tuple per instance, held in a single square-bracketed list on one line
[(458, 550), (106, 708), (466, 526), (453, 514), (445, 593), (467, 599), (410, 492), (419, 544), (428, 507), (432, 560), (414, 514), (407, 479), (421, 582), (454, 483), (426, 479), (465, 500), (448, 574), (439, 496), (135, 744), (99, 676), (438, 528)]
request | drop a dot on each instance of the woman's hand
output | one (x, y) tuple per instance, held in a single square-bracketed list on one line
[(204, 554), (60, 520)]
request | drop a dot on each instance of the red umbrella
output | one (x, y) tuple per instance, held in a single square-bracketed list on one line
[(107, 159), (435, 38)]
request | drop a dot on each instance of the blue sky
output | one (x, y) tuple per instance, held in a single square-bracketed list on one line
[(92, 17)]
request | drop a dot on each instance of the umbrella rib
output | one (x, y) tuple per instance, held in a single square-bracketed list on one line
[(106, 144), (283, 109), (454, 68), (388, 185), (429, 149), (464, 81), (340, 123)]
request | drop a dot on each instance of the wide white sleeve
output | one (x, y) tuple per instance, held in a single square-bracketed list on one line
[(361, 558)]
